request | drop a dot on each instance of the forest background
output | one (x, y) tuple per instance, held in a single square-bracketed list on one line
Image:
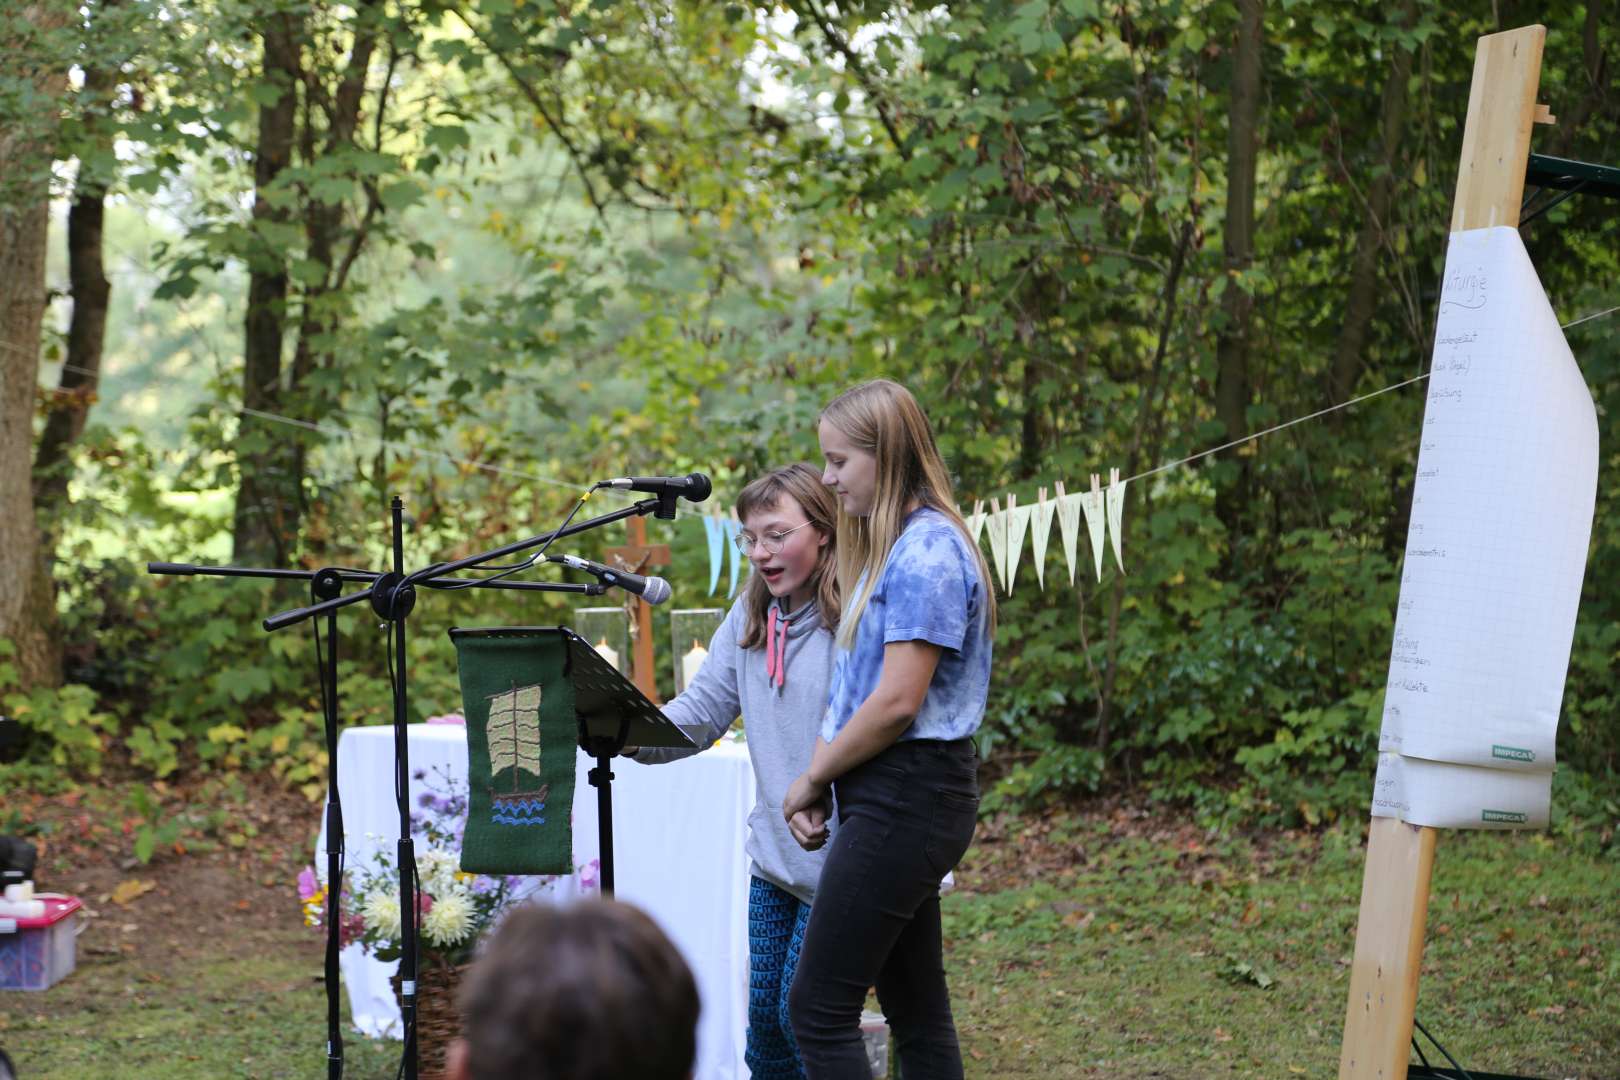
[(266, 263)]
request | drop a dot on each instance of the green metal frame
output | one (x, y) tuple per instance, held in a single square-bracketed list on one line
[(1567, 178), (1573, 176)]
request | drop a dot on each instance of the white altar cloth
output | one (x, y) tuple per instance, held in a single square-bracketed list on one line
[(678, 834)]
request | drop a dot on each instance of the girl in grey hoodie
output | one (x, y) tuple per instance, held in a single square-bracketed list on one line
[(771, 662)]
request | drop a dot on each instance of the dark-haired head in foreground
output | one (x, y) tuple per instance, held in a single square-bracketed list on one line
[(593, 991)]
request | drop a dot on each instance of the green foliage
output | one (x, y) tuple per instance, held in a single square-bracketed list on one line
[(155, 829), (63, 725), (608, 238)]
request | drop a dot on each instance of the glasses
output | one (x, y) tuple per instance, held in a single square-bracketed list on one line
[(772, 541)]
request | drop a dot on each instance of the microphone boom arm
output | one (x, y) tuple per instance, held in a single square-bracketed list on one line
[(433, 576)]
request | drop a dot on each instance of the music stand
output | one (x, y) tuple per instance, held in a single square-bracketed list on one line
[(611, 714)]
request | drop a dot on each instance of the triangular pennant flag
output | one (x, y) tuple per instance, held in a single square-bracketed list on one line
[(733, 527), (1068, 515), (975, 521), (1017, 525), (996, 526), (1041, 524), (1091, 502), (1116, 516), (715, 534)]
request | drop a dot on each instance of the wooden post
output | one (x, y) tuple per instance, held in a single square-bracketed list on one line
[(1400, 858), (636, 557)]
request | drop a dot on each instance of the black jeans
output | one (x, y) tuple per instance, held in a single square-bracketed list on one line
[(904, 820)]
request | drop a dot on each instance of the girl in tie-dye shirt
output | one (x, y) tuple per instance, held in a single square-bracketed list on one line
[(895, 747)]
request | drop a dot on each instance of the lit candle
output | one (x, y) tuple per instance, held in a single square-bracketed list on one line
[(608, 653), (691, 662)]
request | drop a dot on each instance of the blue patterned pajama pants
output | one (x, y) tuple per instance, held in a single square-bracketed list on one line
[(776, 920)]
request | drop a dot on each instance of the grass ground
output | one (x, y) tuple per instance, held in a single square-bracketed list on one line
[(1085, 944), (1166, 953)]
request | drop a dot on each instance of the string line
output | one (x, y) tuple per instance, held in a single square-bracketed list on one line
[(1278, 427)]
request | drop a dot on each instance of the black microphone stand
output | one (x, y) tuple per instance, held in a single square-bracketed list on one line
[(392, 595)]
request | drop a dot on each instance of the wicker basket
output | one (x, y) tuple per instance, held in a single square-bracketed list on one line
[(438, 1021)]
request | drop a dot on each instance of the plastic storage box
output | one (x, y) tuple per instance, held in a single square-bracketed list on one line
[(35, 954), (875, 1035)]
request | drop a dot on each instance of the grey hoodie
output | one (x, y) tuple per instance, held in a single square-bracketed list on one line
[(781, 725)]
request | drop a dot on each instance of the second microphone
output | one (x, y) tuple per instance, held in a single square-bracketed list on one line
[(654, 590)]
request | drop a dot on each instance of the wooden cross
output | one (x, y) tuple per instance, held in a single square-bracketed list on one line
[(635, 558), (1379, 1015)]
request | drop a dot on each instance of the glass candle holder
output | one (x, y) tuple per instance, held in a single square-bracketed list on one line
[(689, 632), (608, 631)]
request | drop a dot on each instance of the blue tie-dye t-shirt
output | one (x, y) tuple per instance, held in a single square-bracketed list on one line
[(929, 591)]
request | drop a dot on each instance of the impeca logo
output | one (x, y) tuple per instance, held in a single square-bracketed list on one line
[(1512, 753), (1504, 815)]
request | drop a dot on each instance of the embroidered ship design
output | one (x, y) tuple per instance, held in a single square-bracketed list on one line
[(512, 731)]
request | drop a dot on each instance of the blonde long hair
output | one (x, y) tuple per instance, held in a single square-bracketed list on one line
[(884, 419), (801, 483)]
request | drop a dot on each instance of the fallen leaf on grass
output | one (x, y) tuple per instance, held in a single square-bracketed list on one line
[(1242, 971), (131, 889), (1079, 919)]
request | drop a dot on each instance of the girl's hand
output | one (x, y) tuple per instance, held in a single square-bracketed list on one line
[(809, 827), (801, 795)]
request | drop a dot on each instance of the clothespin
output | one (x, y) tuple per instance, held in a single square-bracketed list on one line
[(1096, 520), (1068, 515), (1041, 523), (996, 525), (1017, 525), (1116, 516)]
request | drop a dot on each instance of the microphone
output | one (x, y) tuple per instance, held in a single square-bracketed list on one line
[(654, 590), (693, 487)]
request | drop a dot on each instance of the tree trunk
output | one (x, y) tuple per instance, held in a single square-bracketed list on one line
[(87, 331), (324, 220), (27, 606), (1237, 306), (1362, 299), (1232, 344), (270, 463), (1146, 445), (1596, 98)]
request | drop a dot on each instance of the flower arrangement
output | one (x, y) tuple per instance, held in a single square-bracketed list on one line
[(453, 907)]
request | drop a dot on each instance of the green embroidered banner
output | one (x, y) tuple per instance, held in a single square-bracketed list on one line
[(521, 740)]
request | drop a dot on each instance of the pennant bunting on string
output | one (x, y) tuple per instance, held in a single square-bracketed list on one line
[(1116, 516), (975, 521), (1091, 504), (1017, 526), (715, 533), (732, 527), (1041, 528), (996, 526), (1068, 515)]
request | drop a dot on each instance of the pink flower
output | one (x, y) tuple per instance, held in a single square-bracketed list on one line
[(308, 883), (448, 718)]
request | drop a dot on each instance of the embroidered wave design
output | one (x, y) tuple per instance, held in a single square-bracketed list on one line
[(517, 812)]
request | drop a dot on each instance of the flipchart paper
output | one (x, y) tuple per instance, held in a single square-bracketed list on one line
[(1496, 548)]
